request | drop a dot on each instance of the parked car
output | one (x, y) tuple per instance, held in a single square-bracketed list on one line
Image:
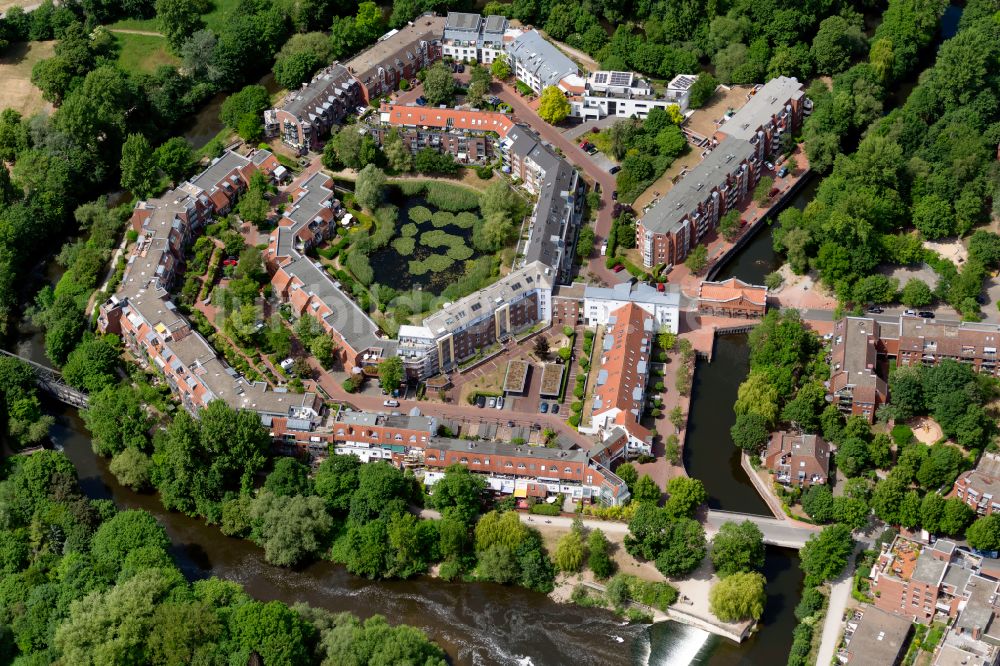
[(230, 262), (604, 249), (592, 150), (421, 101), (492, 403), (615, 169), (619, 268), (500, 402), (774, 191), (287, 364), (876, 309), (595, 130), (782, 172), (926, 314), (555, 409), (390, 403), (660, 286), (481, 401), (770, 167), (583, 144), (544, 409), (909, 313)]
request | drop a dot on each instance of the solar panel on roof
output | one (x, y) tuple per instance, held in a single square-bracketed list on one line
[(600, 77), (620, 78)]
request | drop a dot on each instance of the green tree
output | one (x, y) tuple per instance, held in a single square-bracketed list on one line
[(179, 19), (570, 553), (627, 473), (956, 517), (835, 44), (697, 259), (274, 632), (684, 550), (336, 480), (175, 158), (138, 166), (391, 373), (116, 420), (817, 502), (500, 68), (553, 106), (825, 555), (124, 533), (290, 529), (599, 559), (300, 56), (750, 431), (369, 186), (252, 100), (439, 85), (984, 533), (459, 494), (396, 152), (932, 512), (738, 547), (702, 90), (738, 597), (322, 349), (93, 364), (685, 496), (916, 294), (289, 477), (132, 468), (646, 490)]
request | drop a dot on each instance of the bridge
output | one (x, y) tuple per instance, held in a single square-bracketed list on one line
[(776, 531), (52, 382)]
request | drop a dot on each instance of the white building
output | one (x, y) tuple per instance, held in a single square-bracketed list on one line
[(473, 38), (539, 64), (626, 94), (600, 302)]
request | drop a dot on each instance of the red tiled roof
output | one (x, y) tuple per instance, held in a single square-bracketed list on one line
[(466, 119)]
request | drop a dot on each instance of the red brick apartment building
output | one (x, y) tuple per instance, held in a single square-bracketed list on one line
[(862, 347), (980, 487), (925, 583), (620, 389), (397, 55), (727, 174), (143, 314), (527, 471), (469, 135), (732, 298), (797, 459), (311, 216)]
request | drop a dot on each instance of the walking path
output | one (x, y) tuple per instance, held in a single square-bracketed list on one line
[(147, 33), (840, 593)]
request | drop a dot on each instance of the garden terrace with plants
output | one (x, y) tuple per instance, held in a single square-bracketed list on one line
[(427, 242)]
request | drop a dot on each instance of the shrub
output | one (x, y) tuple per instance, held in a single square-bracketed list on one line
[(442, 218), (574, 420), (404, 245), (419, 215), (454, 198)]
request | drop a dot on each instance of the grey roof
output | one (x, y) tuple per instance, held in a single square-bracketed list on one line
[(396, 46), (541, 58), (357, 329), (307, 207), (219, 169), (553, 215), (759, 109), (636, 292), (462, 21), (495, 24), (928, 569), (502, 448), (402, 421), (483, 303), (879, 639), (697, 185), (978, 612), (332, 81)]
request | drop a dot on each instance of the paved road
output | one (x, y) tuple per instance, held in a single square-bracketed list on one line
[(840, 592), (785, 533), (576, 156)]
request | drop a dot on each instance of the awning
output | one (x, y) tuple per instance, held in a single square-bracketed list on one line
[(520, 492)]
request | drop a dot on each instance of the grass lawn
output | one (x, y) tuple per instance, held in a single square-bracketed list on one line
[(145, 25), (216, 17), (143, 53), (16, 89)]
